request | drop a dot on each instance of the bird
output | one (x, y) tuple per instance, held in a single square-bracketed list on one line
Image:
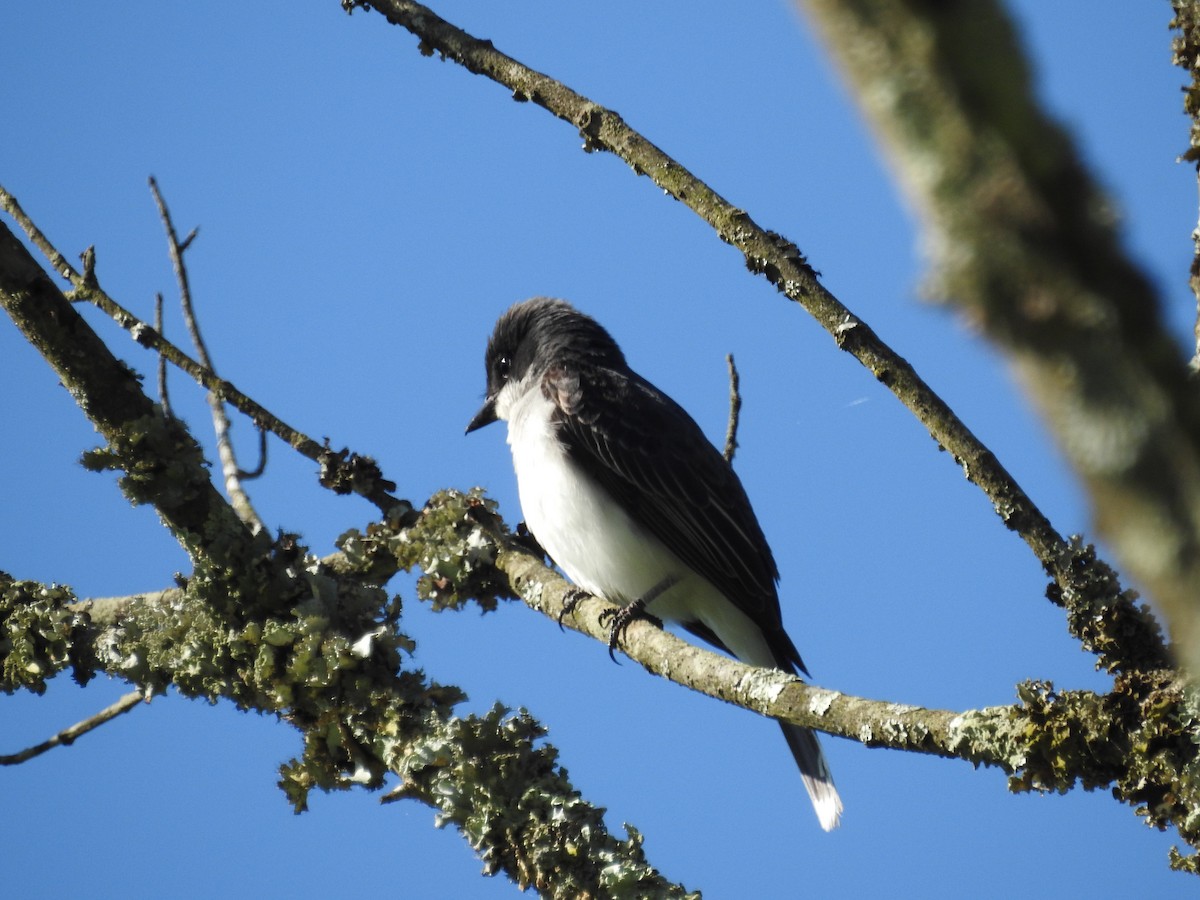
[(632, 502)]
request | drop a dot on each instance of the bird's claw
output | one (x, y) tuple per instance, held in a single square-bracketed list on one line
[(620, 621), (571, 599)]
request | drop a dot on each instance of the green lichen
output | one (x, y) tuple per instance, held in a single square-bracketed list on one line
[(1068, 737), (494, 779), (40, 636), (1141, 740), (1106, 618), (453, 543), (158, 457)]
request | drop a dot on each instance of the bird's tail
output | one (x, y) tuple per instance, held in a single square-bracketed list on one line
[(815, 771)]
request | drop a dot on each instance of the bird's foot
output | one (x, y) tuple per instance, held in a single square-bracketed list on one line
[(620, 621), (571, 599)]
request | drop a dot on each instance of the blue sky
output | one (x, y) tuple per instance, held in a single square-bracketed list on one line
[(365, 215)]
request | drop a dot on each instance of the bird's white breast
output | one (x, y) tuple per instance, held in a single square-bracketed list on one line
[(585, 532), (595, 542)]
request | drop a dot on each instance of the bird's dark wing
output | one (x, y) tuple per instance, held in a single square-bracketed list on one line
[(654, 459)]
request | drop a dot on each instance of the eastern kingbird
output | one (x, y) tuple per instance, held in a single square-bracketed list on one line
[(627, 496)]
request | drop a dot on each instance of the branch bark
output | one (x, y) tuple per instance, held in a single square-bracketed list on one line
[(140, 438), (1186, 52)]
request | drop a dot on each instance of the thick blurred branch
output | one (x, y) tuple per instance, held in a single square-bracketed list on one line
[(1022, 239), (1186, 50)]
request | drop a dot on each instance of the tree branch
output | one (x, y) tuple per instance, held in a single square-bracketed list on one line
[(329, 668), (139, 437), (164, 397), (68, 736), (1101, 614)]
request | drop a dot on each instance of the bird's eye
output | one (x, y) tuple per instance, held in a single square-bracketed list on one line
[(503, 367)]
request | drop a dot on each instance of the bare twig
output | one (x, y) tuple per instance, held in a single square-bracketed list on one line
[(735, 410), (68, 736), (238, 497), (57, 261), (163, 397)]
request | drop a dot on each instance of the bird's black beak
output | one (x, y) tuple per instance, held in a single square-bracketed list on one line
[(485, 416)]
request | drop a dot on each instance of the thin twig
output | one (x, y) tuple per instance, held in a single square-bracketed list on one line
[(68, 736), (163, 397), (735, 410), (57, 261), (238, 498)]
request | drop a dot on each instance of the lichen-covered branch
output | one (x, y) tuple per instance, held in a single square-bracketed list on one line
[(1102, 615), (332, 668), (1022, 238)]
